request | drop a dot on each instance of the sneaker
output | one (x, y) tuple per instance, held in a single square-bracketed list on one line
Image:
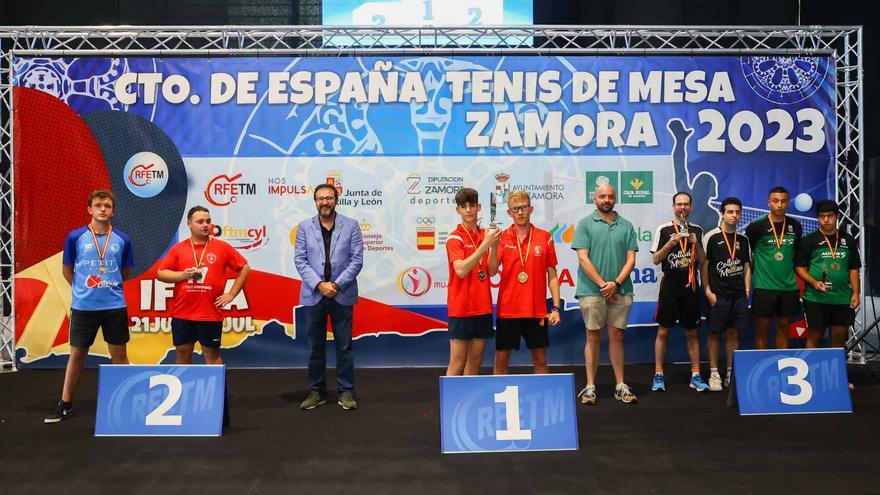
[(715, 382), (588, 396), (698, 384), (62, 411), (624, 394), (314, 400), (658, 385), (727, 381), (347, 401)]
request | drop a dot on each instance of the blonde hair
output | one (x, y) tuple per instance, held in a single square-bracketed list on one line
[(519, 195)]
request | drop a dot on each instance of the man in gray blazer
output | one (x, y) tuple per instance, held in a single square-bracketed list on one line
[(329, 254)]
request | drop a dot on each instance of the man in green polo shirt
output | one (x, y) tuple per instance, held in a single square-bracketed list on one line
[(606, 247), (828, 261), (774, 238)]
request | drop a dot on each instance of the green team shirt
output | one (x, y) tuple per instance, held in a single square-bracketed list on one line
[(815, 254), (608, 244), (771, 272)]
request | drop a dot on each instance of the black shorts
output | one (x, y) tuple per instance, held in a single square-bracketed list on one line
[(84, 327), (677, 304), (782, 303), (470, 327), (206, 333), (509, 332), (729, 312), (821, 316)]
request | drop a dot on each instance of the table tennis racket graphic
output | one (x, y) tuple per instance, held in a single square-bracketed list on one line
[(150, 222)]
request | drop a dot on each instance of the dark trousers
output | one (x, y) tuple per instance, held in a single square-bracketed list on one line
[(316, 332)]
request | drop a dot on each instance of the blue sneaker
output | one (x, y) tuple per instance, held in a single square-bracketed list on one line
[(698, 384), (658, 385)]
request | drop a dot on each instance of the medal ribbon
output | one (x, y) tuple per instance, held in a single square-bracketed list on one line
[(731, 247), (522, 261), (778, 238), (693, 254), (199, 259), (101, 252), (470, 238), (828, 243)]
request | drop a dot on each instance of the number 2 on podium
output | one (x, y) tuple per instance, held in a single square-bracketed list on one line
[(510, 398)]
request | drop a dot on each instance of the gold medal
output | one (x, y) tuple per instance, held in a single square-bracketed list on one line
[(684, 262), (778, 256), (834, 264), (480, 273), (523, 277)]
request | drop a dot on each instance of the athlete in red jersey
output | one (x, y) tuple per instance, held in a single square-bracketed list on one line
[(469, 297), (198, 269), (528, 258)]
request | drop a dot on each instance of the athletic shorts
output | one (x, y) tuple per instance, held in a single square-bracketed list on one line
[(598, 314), (783, 303), (821, 316), (678, 304), (470, 327), (729, 312), (206, 333), (509, 332), (84, 327)]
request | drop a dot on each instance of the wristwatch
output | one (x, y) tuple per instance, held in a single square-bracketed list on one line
[(616, 283)]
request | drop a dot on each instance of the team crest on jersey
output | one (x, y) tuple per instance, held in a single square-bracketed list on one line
[(114, 248), (538, 251), (843, 242), (211, 258)]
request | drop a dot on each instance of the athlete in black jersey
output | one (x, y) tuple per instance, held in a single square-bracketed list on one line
[(678, 249), (727, 280)]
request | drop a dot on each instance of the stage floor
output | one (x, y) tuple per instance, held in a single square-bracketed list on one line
[(677, 442)]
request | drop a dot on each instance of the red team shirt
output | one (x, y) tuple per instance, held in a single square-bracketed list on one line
[(468, 296), (528, 300), (195, 300)]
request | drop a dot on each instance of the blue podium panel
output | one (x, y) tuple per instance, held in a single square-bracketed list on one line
[(506, 413), (791, 381), (163, 400)]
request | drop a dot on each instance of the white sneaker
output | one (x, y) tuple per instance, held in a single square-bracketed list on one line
[(715, 382)]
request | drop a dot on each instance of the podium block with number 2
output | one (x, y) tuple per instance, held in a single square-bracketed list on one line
[(791, 381), (507, 413), (163, 400)]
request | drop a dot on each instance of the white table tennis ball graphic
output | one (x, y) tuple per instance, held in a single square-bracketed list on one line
[(803, 202)]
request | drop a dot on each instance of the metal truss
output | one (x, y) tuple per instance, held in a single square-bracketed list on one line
[(844, 44)]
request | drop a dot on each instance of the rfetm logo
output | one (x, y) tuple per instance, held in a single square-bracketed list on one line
[(414, 281), (224, 190), (145, 174)]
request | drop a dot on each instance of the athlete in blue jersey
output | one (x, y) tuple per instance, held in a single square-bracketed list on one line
[(96, 260)]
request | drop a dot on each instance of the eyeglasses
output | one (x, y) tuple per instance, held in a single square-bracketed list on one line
[(325, 199), (517, 209)]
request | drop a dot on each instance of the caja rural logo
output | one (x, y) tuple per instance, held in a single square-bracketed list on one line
[(224, 190)]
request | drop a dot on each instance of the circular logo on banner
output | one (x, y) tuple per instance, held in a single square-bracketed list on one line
[(146, 174), (784, 80), (414, 281)]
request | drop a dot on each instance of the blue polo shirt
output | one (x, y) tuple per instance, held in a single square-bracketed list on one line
[(93, 290), (608, 244)]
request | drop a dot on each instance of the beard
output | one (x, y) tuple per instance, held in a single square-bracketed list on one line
[(605, 207), (326, 212)]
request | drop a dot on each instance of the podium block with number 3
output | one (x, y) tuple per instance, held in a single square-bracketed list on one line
[(163, 400), (507, 413), (791, 381)]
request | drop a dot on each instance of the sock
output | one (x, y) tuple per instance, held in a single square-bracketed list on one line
[(713, 371), (729, 370), (695, 373), (658, 371)]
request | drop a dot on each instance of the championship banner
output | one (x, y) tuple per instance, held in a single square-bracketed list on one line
[(249, 138)]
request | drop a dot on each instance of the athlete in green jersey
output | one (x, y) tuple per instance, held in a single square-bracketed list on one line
[(828, 261)]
